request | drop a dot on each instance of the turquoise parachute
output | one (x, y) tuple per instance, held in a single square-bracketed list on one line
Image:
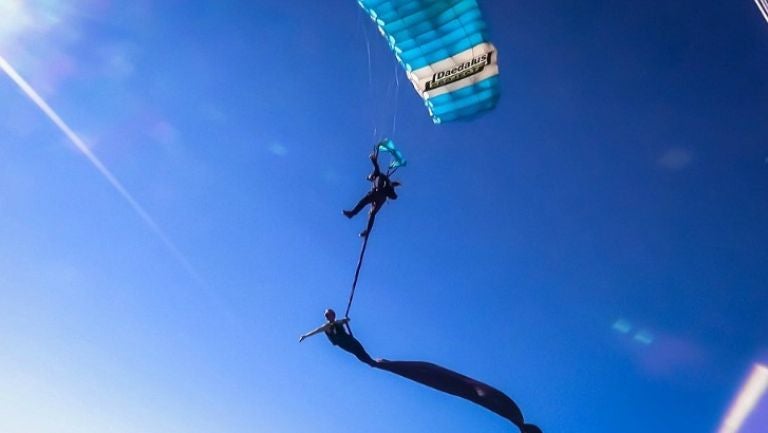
[(444, 49), (387, 145)]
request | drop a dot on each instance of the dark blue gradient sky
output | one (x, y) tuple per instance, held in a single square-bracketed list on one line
[(595, 247)]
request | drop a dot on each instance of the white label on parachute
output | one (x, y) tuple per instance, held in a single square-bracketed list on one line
[(464, 69)]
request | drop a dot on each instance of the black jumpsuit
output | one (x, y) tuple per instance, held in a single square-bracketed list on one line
[(382, 190), (339, 336)]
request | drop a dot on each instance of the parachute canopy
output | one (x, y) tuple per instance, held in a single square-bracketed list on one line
[(444, 49)]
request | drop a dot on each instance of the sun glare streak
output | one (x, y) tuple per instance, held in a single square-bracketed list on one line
[(763, 5), (83, 148), (745, 402)]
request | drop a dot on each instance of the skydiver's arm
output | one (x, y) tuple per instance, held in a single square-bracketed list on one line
[(375, 162), (345, 322), (323, 328), (316, 331)]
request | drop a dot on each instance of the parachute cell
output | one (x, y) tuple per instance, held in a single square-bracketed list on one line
[(444, 49)]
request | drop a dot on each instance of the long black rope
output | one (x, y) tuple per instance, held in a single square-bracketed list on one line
[(362, 250), (357, 273)]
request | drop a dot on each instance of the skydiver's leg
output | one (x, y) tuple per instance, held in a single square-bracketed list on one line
[(354, 347), (371, 217), (360, 205)]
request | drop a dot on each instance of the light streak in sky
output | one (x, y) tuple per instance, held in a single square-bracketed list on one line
[(749, 396), (96, 162), (763, 5)]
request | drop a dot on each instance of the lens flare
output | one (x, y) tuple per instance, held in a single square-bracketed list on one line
[(750, 394), (96, 162), (763, 5)]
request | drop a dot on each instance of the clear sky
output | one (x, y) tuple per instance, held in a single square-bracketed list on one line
[(595, 247)]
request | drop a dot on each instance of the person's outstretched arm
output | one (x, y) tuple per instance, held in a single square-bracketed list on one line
[(345, 322), (322, 328), (316, 331)]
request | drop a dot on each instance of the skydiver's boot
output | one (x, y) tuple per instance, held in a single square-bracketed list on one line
[(363, 233), (348, 213)]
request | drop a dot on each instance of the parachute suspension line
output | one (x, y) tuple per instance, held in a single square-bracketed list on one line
[(361, 17), (370, 74), (397, 97), (368, 51)]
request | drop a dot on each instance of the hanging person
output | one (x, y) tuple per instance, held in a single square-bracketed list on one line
[(426, 373), (340, 335), (382, 188)]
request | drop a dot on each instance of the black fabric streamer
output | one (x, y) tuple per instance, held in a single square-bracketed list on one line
[(441, 379), (451, 382)]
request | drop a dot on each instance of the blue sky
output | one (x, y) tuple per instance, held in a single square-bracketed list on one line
[(594, 247)]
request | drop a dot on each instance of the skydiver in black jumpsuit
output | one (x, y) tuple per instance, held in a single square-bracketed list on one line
[(382, 189)]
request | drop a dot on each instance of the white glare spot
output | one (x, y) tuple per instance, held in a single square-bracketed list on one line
[(675, 159), (745, 402), (644, 337), (622, 326), (278, 149)]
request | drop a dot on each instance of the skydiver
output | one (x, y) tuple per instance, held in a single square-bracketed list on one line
[(382, 188), (339, 334)]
